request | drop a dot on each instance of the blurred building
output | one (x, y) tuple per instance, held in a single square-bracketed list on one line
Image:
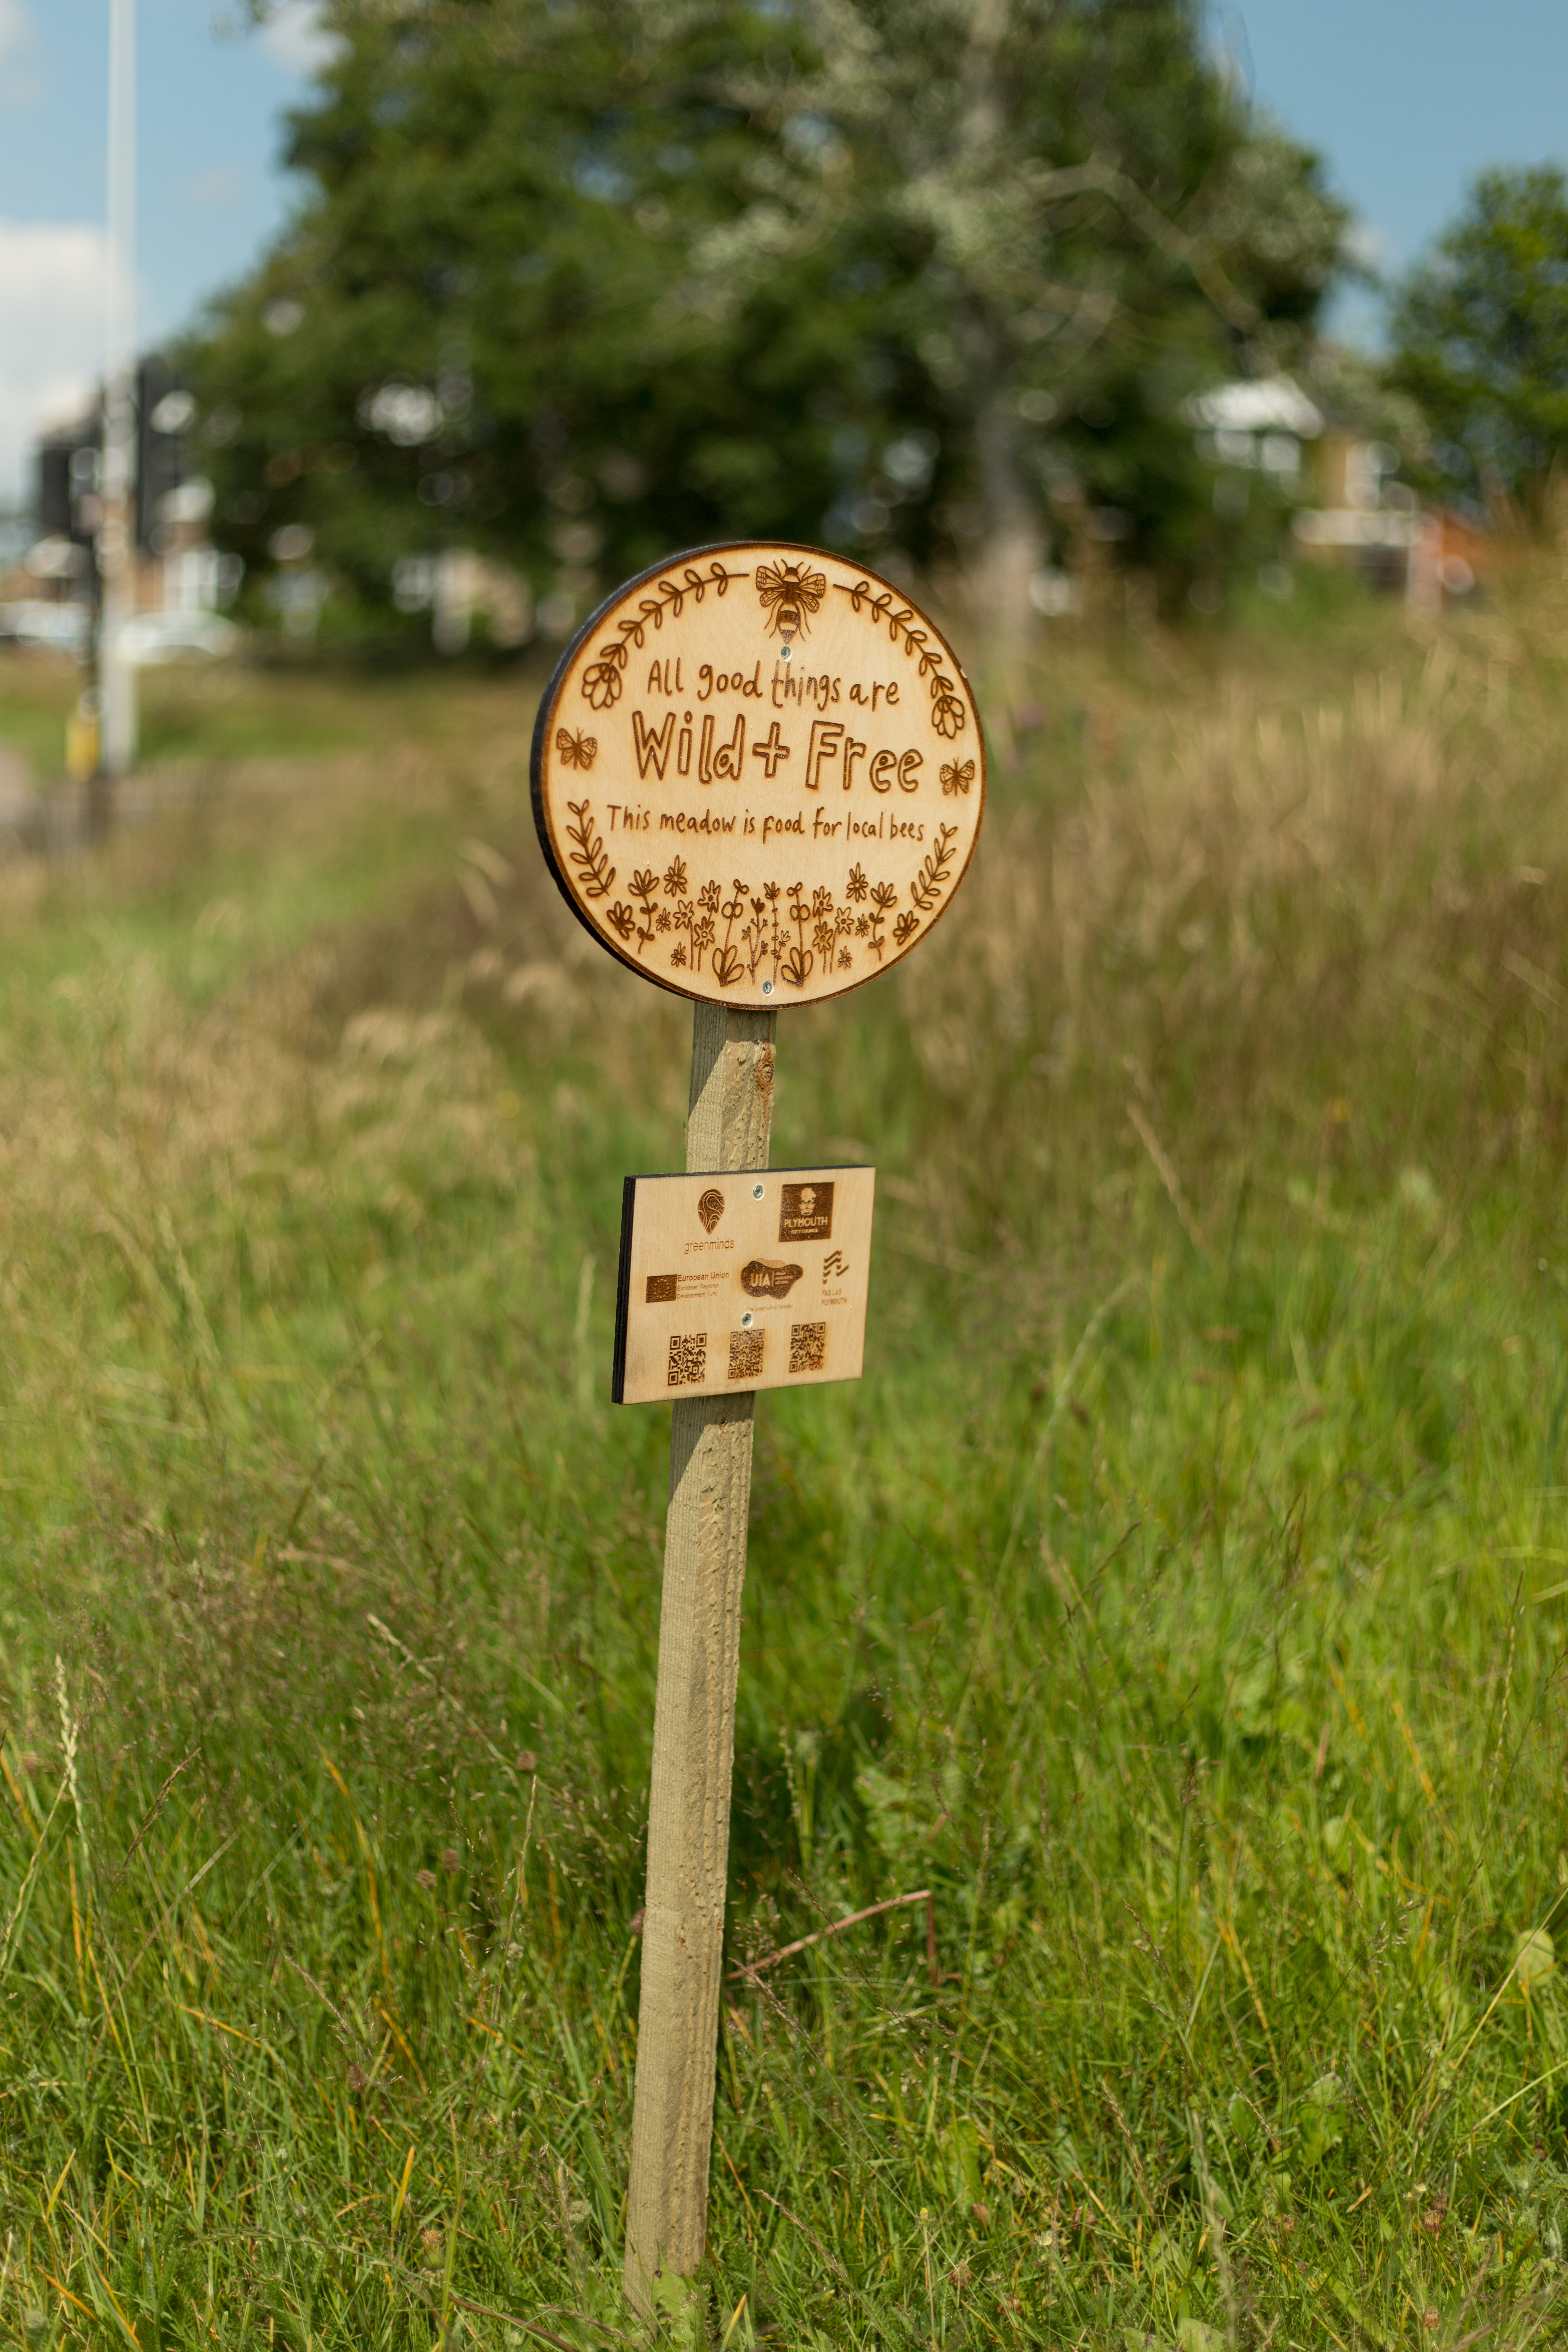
[(50, 596), (1340, 477), (459, 587)]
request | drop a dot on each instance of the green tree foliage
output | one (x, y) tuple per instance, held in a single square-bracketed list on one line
[(1091, 229), (574, 283), (1481, 338)]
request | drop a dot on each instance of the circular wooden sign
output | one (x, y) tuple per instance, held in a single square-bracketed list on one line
[(758, 775)]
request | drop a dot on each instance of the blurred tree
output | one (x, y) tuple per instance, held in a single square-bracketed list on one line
[(1092, 227), (1480, 339), (577, 283), (500, 317)]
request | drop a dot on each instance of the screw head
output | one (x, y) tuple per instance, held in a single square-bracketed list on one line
[(746, 1321), (767, 988), (756, 1191)]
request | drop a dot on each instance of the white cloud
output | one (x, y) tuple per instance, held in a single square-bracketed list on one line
[(293, 36), (52, 298), (1370, 246), (212, 190), (19, 85)]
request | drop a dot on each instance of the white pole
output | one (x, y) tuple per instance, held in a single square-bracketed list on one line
[(117, 537)]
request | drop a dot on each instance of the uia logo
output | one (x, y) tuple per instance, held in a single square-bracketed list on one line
[(765, 1277), (710, 1207)]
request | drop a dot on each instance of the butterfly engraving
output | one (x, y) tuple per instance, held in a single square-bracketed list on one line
[(956, 779), (576, 750)]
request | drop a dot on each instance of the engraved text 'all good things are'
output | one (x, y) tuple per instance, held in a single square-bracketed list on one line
[(758, 775)]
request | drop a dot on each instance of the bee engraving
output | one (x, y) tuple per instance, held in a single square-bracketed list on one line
[(789, 592)]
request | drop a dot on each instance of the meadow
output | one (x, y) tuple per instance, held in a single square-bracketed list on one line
[(1180, 1598)]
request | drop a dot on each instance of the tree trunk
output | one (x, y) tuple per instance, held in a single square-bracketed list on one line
[(1011, 542), (1012, 546)]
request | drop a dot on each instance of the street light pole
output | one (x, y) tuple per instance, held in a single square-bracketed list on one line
[(117, 529)]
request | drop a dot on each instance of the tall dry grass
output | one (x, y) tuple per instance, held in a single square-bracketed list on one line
[(1176, 1596)]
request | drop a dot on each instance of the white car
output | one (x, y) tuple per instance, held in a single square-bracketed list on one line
[(60, 628), (155, 637)]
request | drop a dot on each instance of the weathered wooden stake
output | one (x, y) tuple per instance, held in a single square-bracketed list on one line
[(694, 1721)]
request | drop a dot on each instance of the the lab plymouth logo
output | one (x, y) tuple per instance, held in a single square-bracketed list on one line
[(806, 1214)]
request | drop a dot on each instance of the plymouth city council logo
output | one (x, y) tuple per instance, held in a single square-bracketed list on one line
[(806, 1214)]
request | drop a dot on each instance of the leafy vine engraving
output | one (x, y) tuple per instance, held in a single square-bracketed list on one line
[(932, 880), (589, 855), (645, 891), (883, 897), (603, 677), (948, 714)]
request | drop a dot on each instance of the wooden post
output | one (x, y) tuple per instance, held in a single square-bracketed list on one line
[(868, 884), (694, 1722)]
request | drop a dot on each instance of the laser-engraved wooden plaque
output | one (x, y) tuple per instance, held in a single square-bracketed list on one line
[(754, 1280), (758, 775)]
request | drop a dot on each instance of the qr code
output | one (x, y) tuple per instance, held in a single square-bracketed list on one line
[(807, 1347), (687, 1358), (746, 1355)]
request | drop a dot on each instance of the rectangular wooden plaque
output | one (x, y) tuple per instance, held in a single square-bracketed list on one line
[(754, 1280)]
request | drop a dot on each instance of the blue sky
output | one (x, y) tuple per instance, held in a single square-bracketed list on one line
[(211, 98), (1405, 98)]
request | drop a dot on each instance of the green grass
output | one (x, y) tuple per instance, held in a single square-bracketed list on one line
[(1180, 1597), (271, 709)]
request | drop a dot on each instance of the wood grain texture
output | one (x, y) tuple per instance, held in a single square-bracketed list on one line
[(694, 1723)]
